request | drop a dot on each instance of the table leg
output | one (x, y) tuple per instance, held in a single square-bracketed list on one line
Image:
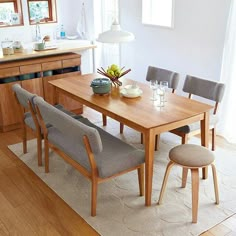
[(149, 138), (205, 139), (55, 96)]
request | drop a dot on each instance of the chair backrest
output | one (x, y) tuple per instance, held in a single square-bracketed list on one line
[(204, 88), (71, 128), (158, 74), (23, 96)]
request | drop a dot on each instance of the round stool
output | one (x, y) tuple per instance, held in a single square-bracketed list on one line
[(192, 157)]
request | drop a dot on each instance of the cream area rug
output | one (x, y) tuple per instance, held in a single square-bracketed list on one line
[(120, 210)]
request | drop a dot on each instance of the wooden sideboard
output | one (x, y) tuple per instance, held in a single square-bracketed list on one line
[(33, 74)]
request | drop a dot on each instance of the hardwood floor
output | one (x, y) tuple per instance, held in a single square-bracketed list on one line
[(29, 207)]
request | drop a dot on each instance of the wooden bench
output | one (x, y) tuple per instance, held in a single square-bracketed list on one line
[(98, 155)]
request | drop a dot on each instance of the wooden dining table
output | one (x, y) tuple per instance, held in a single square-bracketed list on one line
[(140, 113)]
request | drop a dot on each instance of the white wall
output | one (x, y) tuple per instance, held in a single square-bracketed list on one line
[(193, 47)]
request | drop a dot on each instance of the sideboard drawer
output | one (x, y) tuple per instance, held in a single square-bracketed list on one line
[(7, 72), (51, 65), (71, 62), (30, 68)]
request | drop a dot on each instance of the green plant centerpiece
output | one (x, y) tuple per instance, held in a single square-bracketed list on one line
[(114, 72)]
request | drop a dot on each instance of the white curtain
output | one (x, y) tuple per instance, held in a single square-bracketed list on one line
[(227, 124)]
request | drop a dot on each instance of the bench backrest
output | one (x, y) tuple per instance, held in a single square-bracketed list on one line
[(23, 96), (71, 128)]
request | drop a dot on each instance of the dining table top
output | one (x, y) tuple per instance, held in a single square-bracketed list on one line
[(141, 112)]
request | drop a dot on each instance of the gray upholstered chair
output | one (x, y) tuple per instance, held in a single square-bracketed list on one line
[(193, 157), (159, 74), (98, 155), (29, 119), (207, 89)]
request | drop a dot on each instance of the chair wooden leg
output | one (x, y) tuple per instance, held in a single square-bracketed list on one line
[(141, 138), (94, 197), (46, 154), (184, 139), (141, 179), (213, 139), (195, 192), (215, 183), (121, 128), (24, 138), (205, 172), (104, 120), (184, 177), (39, 149), (157, 142), (163, 187)]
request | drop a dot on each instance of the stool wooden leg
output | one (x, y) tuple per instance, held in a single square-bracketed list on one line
[(163, 187), (184, 177), (195, 191), (141, 138), (215, 183)]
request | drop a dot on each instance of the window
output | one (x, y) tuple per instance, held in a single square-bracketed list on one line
[(42, 11), (158, 12), (10, 13)]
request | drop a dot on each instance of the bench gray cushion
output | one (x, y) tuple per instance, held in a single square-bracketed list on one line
[(115, 157)]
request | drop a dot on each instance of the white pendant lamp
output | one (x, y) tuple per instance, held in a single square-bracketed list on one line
[(115, 35)]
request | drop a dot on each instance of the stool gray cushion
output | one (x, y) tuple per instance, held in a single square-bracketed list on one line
[(191, 155)]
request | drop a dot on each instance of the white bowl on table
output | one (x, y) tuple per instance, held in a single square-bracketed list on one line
[(131, 91)]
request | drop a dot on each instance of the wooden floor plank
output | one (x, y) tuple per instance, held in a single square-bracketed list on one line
[(11, 192), (5, 161), (13, 222), (3, 229)]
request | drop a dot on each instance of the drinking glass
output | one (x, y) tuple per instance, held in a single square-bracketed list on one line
[(153, 86), (164, 86), (160, 93)]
